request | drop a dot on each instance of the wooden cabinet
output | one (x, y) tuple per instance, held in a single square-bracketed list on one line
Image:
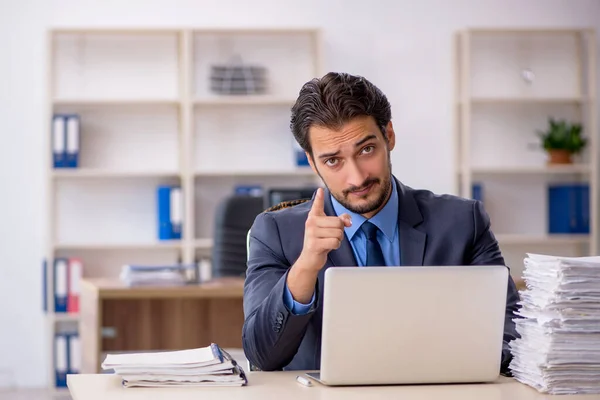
[(118, 318)]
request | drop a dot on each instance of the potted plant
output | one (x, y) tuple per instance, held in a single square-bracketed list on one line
[(561, 140)]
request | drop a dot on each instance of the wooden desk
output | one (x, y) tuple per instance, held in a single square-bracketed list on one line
[(283, 385), (118, 318)]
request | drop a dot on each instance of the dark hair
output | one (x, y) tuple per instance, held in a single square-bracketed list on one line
[(334, 100)]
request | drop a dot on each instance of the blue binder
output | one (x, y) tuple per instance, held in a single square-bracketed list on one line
[(61, 294), (163, 194), (44, 285), (176, 212), (300, 154), (59, 141), (73, 138), (73, 353), (568, 209), (61, 359), (477, 191), (583, 215)]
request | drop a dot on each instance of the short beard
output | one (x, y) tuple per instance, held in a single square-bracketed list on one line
[(373, 205)]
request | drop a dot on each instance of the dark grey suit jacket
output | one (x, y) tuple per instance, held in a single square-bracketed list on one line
[(433, 230)]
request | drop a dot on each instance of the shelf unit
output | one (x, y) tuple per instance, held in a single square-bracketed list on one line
[(509, 82), (149, 118)]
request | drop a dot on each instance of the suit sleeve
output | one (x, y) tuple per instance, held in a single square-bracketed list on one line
[(485, 251), (271, 333)]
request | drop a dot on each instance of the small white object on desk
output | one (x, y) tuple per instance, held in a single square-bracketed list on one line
[(304, 381)]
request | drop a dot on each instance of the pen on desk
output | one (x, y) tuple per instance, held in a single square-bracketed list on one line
[(303, 381)]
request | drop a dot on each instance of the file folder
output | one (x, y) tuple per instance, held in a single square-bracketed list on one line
[(60, 285), (477, 191), (44, 285), (176, 215), (170, 212), (164, 213), (61, 367), (73, 139), (59, 141), (583, 200), (75, 273), (74, 353), (568, 208), (300, 155)]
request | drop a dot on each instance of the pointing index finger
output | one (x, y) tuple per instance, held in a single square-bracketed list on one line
[(318, 206)]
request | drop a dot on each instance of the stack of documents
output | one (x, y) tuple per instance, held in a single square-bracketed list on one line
[(207, 366), (155, 274), (559, 348)]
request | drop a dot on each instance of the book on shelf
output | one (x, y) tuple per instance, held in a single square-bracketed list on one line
[(67, 356), (65, 287), (66, 138), (169, 212), (569, 208)]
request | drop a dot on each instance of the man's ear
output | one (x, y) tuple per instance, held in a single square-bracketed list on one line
[(391, 136)]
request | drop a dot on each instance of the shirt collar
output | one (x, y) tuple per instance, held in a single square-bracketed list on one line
[(386, 219)]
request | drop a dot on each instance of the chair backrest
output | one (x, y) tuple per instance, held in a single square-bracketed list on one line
[(234, 217)]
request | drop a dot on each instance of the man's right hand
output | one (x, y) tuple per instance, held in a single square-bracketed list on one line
[(322, 234)]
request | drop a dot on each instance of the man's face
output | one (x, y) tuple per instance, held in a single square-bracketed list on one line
[(354, 163)]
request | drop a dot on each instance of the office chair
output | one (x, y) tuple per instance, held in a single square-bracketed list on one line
[(234, 217)]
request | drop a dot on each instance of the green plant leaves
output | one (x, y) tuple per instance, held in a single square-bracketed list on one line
[(562, 135)]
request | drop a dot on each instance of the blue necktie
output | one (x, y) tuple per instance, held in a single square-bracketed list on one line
[(374, 253)]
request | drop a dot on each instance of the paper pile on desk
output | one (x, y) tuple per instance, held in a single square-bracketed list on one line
[(559, 348), (207, 366)]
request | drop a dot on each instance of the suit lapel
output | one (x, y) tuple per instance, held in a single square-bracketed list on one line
[(412, 245), (344, 256), (412, 241)]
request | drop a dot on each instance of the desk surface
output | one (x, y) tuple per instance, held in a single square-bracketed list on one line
[(283, 386), (116, 289)]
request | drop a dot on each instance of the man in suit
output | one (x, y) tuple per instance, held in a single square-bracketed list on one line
[(364, 217)]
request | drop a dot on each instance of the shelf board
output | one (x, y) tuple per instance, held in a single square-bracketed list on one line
[(554, 239), (533, 170), (79, 173), (256, 31), (244, 100), (527, 100), (167, 244), (528, 31), (63, 317), (126, 30), (117, 102), (305, 172)]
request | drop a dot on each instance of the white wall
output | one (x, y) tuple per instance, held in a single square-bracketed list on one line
[(405, 47)]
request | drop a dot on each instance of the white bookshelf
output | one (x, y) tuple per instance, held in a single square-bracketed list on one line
[(148, 117), (497, 115)]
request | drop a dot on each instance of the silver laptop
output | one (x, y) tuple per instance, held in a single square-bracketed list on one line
[(412, 325)]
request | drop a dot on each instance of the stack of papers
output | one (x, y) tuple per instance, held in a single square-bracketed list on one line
[(207, 366), (155, 274), (559, 348)]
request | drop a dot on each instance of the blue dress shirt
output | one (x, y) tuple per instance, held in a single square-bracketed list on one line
[(387, 236)]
